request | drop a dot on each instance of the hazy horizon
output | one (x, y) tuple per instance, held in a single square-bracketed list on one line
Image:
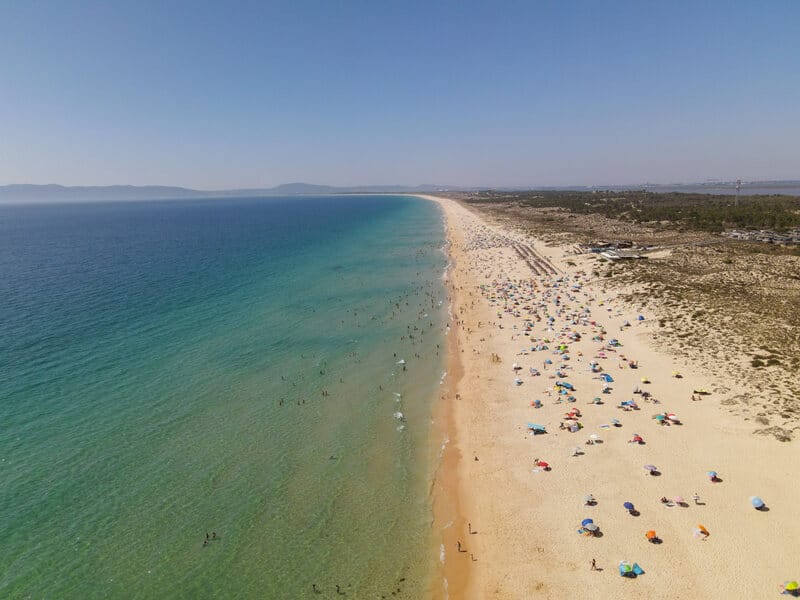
[(470, 95)]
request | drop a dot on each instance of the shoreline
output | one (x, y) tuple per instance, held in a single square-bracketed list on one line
[(452, 577), (526, 545)]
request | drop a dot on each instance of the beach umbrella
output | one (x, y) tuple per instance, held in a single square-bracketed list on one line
[(591, 527), (588, 498), (625, 567), (651, 468), (679, 500), (615, 421), (548, 361), (659, 417), (594, 436), (703, 530), (791, 586), (756, 502), (628, 505), (586, 522), (712, 473), (543, 464), (650, 534)]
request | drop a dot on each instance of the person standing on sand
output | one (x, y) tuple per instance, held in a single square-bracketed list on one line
[(594, 565)]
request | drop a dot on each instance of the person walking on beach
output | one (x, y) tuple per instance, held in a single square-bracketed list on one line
[(594, 565), (696, 498)]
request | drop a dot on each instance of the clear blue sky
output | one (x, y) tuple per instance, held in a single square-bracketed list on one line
[(241, 94)]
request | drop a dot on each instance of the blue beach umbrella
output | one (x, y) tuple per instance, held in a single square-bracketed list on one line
[(712, 473), (585, 522), (757, 502), (628, 505), (607, 378)]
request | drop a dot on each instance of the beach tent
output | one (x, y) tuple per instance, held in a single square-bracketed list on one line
[(625, 569), (607, 378), (536, 428)]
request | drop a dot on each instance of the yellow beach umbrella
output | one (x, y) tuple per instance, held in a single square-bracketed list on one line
[(791, 586)]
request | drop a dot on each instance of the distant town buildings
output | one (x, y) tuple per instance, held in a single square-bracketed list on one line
[(764, 235)]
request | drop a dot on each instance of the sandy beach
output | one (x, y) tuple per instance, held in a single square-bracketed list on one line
[(518, 302)]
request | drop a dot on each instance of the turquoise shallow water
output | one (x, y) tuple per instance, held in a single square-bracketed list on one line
[(162, 374)]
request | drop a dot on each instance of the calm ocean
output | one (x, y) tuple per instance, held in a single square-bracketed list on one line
[(169, 369)]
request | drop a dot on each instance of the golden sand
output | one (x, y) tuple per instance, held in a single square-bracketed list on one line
[(526, 519)]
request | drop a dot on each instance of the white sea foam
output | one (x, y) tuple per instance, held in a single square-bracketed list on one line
[(443, 446)]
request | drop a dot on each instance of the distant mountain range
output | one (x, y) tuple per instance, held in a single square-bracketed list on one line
[(29, 193), (58, 193)]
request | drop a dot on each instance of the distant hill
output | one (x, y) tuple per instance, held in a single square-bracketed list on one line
[(29, 193), (60, 193)]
